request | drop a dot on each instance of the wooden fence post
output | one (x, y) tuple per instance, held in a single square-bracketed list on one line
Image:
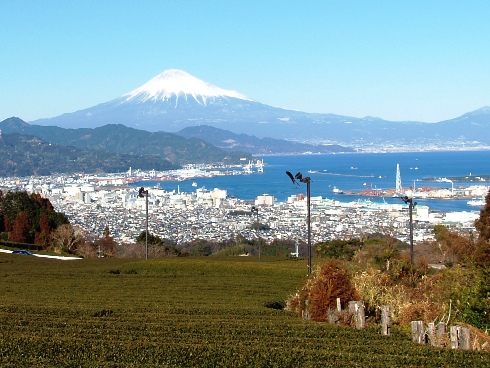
[(352, 307), (357, 309), (333, 316), (361, 316), (339, 306), (453, 333), (464, 338), (385, 320), (460, 337), (431, 333), (418, 333), (441, 329)]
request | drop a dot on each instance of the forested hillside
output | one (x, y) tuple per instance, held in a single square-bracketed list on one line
[(25, 155)]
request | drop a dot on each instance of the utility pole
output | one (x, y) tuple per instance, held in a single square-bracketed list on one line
[(306, 180), (256, 211), (308, 219), (144, 193), (411, 206)]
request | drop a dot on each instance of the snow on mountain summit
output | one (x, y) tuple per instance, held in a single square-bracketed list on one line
[(174, 83)]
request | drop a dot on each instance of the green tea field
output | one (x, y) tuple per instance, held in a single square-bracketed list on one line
[(183, 312)]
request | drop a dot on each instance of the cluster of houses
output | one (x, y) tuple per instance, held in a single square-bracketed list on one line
[(212, 215)]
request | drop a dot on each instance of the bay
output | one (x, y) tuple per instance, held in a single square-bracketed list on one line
[(351, 172)]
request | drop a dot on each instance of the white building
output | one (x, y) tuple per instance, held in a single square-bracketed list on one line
[(264, 200)]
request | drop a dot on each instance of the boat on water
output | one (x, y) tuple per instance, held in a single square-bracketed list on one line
[(337, 190), (194, 184), (476, 202)]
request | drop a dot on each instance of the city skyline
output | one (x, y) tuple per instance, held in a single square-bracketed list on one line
[(395, 60)]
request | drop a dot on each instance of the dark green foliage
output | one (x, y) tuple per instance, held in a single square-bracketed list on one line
[(199, 247), (162, 247), (340, 249), (470, 293), (377, 250), (152, 239), (281, 248), (381, 250), (27, 155), (275, 305), (259, 226), (228, 247), (39, 219), (11, 245), (114, 145)]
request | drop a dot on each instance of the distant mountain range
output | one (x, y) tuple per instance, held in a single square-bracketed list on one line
[(175, 100), (32, 149), (25, 155), (192, 145), (229, 141)]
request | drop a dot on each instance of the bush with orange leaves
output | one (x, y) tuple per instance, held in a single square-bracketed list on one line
[(320, 292)]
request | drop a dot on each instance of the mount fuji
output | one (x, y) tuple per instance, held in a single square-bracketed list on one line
[(171, 101), (174, 100), (175, 83)]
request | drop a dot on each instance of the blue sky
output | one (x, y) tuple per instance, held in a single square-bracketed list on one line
[(398, 60)]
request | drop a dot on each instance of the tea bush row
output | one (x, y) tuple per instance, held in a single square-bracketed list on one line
[(212, 314)]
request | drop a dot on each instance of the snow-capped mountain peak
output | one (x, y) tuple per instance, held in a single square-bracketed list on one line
[(175, 83)]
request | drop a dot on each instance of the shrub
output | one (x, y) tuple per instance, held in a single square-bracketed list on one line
[(321, 291), (337, 248), (426, 311), (377, 289), (275, 305)]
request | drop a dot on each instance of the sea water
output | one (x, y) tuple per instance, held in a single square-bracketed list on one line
[(352, 172)]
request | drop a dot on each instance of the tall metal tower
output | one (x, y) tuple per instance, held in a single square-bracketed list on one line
[(398, 185)]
